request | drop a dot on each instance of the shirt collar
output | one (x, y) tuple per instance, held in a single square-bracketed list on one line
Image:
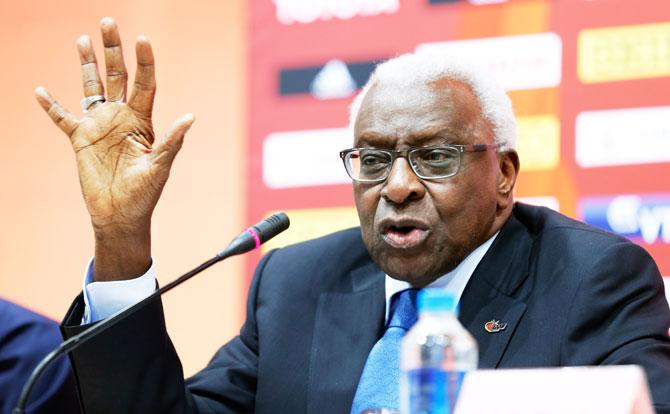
[(454, 281)]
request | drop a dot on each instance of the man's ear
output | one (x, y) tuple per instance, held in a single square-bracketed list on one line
[(509, 169)]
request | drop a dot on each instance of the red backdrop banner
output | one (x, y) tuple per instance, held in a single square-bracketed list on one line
[(589, 80)]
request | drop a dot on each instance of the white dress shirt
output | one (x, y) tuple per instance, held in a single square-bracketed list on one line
[(104, 299), (454, 282)]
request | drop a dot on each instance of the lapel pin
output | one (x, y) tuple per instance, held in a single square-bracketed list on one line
[(494, 326)]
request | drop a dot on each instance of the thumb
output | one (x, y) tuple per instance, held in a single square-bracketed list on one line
[(168, 147)]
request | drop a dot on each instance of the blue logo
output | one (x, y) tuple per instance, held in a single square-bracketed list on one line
[(638, 217)]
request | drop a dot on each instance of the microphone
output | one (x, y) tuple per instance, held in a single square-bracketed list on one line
[(248, 240), (256, 235)]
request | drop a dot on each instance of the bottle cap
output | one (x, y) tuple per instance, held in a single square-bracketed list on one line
[(436, 300)]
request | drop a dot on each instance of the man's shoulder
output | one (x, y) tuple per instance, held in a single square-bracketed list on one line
[(551, 230), (14, 316), (326, 262), (342, 239), (18, 322), (545, 222), (332, 254)]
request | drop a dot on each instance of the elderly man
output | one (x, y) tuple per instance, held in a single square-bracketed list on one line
[(434, 169)]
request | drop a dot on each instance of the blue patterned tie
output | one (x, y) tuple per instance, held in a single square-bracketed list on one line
[(379, 383)]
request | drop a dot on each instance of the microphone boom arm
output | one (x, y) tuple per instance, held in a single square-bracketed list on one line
[(251, 239)]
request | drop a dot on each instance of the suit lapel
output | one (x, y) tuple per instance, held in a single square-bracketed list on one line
[(489, 295), (347, 326), (498, 308)]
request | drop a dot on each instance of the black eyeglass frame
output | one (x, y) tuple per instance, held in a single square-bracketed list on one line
[(406, 153)]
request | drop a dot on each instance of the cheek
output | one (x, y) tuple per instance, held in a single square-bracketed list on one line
[(366, 198), (447, 197), (462, 205)]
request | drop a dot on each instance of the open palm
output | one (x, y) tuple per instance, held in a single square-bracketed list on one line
[(122, 169)]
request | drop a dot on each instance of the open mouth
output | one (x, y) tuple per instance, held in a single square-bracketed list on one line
[(404, 235)]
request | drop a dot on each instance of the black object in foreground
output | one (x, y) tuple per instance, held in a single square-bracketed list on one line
[(250, 239)]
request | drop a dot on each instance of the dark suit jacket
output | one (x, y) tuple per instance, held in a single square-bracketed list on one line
[(26, 338), (570, 295)]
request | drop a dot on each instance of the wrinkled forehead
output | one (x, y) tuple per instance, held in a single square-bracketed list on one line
[(403, 109)]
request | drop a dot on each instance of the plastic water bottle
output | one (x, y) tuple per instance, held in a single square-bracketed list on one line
[(435, 355)]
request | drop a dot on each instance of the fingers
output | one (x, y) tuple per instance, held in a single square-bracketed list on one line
[(61, 117), (144, 90), (89, 68), (117, 77), (168, 147)]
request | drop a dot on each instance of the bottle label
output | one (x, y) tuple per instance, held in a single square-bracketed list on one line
[(433, 390)]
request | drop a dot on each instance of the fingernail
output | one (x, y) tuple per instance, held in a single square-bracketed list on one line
[(40, 91), (107, 21), (188, 118), (142, 38), (84, 40)]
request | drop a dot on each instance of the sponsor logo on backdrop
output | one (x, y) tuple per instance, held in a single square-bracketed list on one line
[(624, 52), (638, 217), (310, 223), (520, 62), (305, 158), (622, 137), (539, 142), (309, 11), (333, 80)]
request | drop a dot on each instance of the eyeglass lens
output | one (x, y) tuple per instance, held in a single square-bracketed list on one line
[(435, 162), (374, 164)]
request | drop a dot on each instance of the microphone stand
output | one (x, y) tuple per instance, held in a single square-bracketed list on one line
[(251, 239)]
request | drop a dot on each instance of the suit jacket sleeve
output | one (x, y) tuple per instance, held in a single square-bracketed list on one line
[(621, 313), (133, 367)]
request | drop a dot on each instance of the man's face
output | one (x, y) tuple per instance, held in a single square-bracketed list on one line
[(416, 230)]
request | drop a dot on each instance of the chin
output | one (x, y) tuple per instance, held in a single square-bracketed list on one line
[(418, 268), (413, 272)]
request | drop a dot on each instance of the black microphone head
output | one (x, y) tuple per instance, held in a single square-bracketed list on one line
[(272, 226), (256, 235)]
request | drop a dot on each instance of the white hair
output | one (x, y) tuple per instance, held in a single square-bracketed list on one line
[(406, 74)]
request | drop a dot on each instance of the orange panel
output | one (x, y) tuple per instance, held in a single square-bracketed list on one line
[(46, 237)]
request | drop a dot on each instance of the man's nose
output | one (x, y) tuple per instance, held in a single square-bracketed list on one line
[(402, 184)]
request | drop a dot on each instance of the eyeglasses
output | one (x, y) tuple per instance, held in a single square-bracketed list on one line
[(373, 165)]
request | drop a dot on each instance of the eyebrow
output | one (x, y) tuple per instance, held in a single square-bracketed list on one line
[(439, 135), (375, 140)]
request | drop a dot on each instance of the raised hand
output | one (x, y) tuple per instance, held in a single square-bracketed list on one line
[(122, 169)]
